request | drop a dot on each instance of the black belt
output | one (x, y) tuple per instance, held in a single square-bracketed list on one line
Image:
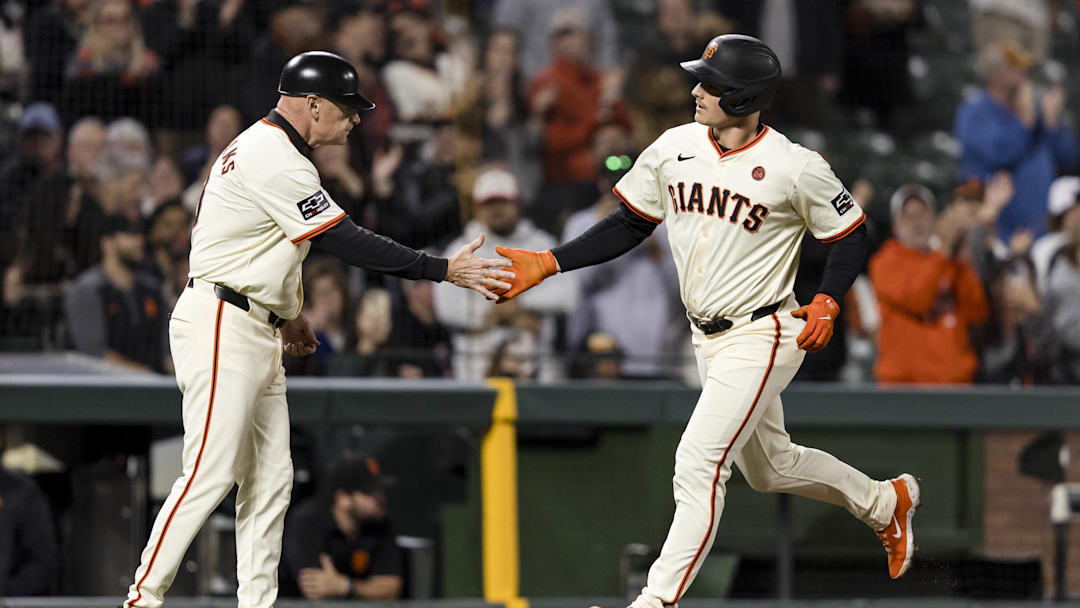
[(227, 295), (716, 325)]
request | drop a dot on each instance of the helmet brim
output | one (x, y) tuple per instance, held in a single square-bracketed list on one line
[(706, 73), (355, 101)]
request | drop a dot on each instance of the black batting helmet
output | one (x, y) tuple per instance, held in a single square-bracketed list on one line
[(326, 75), (743, 67)]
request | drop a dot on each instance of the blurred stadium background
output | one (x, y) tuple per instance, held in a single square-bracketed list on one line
[(554, 488)]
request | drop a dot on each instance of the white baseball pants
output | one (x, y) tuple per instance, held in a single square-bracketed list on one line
[(739, 418), (236, 431)]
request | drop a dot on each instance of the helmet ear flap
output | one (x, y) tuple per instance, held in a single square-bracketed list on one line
[(744, 106)]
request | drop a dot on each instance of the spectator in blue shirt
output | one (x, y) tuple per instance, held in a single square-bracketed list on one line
[(1006, 127)]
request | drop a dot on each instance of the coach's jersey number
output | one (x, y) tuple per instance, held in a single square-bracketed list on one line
[(718, 205)]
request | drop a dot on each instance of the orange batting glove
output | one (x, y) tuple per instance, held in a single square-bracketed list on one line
[(820, 315), (529, 268)]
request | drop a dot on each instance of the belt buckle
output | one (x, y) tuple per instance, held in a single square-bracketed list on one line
[(711, 326)]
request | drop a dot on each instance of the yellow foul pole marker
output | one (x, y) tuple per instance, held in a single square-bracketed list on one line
[(498, 459)]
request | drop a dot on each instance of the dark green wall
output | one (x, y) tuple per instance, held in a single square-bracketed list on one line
[(583, 499)]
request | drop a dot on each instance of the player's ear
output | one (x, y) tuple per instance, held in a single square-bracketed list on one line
[(313, 106)]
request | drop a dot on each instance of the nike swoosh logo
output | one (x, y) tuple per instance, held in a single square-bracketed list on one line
[(681, 157), (897, 535)]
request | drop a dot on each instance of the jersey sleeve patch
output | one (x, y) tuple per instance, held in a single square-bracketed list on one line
[(316, 204), (843, 202)]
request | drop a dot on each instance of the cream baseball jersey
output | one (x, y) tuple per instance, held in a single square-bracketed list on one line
[(735, 218), (261, 205)]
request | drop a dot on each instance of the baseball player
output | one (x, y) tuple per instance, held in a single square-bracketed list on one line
[(737, 197), (261, 208)]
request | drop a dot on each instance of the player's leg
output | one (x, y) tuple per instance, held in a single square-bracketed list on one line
[(263, 498), (219, 392), (772, 463), (744, 371)]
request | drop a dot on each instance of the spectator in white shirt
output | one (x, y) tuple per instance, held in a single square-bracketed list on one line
[(478, 325)]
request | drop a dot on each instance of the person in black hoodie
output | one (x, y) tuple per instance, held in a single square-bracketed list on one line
[(29, 555)]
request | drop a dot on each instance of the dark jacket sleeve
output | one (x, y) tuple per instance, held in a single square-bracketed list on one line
[(365, 249), (607, 239), (37, 554), (300, 547), (388, 559), (85, 315), (844, 263)]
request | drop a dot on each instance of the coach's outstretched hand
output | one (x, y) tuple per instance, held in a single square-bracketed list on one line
[(530, 268), (468, 271), (820, 315)]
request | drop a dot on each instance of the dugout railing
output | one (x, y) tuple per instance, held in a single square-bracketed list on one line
[(549, 523)]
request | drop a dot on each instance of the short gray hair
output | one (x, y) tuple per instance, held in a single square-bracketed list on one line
[(910, 191), (129, 136)]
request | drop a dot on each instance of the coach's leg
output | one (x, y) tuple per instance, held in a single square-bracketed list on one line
[(263, 498), (219, 393), (744, 371), (772, 463)]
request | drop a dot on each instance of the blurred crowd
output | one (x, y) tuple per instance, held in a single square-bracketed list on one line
[(514, 118)]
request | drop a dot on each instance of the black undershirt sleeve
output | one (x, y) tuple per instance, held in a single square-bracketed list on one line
[(844, 263), (362, 247), (623, 230), (606, 240)]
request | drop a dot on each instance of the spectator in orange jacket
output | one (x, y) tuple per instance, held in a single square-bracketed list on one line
[(570, 99), (928, 301)]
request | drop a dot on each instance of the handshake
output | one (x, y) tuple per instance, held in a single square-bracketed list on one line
[(492, 277), (529, 268)]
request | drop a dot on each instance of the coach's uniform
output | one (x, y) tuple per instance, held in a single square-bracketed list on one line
[(735, 219), (261, 204)]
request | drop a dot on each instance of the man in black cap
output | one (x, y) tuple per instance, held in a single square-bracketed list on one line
[(339, 544), (40, 153)]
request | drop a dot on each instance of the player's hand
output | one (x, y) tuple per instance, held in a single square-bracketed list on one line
[(468, 271), (297, 337), (820, 316), (323, 582), (530, 268)]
